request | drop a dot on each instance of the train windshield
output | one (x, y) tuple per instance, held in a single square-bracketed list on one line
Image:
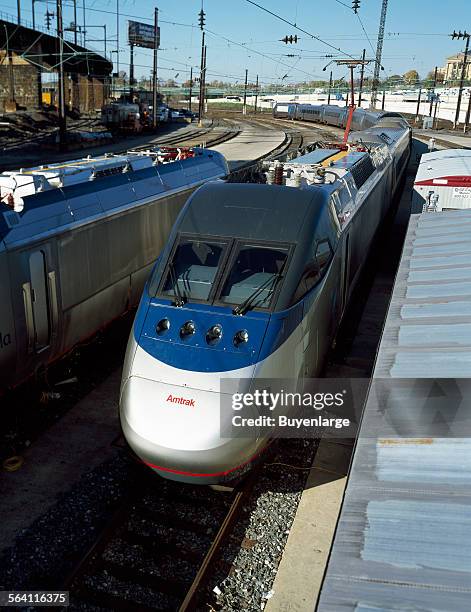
[(193, 267), (253, 276)]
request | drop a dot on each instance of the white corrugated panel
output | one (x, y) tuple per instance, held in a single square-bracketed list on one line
[(403, 540)]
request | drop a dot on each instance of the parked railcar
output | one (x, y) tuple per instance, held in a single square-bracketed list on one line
[(77, 242), (284, 110), (334, 115), (443, 181)]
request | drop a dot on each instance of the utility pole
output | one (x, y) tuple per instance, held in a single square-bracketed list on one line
[(435, 112), (468, 113), (18, 8), (256, 96), (84, 26), (379, 52), (131, 71), (244, 108), (418, 105), (201, 16), (433, 90), (459, 36), (201, 94), (352, 64), (205, 93), (61, 84), (154, 71), (361, 77), (75, 20), (117, 36), (32, 9), (191, 87), (330, 87)]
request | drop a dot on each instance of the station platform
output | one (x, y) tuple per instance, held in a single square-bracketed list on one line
[(445, 139)]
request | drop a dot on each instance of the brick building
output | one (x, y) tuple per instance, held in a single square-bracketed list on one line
[(86, 73), (19, 81)]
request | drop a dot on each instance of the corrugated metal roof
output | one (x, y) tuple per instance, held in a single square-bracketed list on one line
[(403, 540), (448, 162)]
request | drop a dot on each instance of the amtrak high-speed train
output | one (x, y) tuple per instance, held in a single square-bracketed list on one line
[(252, 284), (77, 243), (331, 114)]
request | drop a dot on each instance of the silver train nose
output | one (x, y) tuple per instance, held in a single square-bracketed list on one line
[(175, 430)]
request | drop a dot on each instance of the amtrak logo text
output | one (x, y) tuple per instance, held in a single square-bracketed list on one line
[(180, 400), (5, 340)]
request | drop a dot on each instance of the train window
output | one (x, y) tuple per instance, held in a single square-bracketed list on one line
[(193, 268), (254, 271), (323, 255), (344, 197), (314, 270)]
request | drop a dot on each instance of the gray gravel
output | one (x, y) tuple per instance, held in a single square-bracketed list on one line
[(251, 559), (46, 551)]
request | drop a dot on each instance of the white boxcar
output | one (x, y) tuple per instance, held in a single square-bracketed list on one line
[(443, 181)]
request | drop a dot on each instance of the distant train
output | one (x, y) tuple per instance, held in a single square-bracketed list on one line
[(330, 114), (252, 284), (77, 242)]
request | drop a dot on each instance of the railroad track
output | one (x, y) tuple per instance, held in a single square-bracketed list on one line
[(157, 550), (291, 146), (197, 138), (191, 138)]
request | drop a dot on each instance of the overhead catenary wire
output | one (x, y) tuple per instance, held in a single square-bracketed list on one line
[(294, 25), (259, 53), (263, 8)]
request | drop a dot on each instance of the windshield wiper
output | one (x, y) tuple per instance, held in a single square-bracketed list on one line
[(179, 301), (245, 305)]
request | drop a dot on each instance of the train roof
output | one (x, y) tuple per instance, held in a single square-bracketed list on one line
[(252, 211), (74, 197), (428, 328), (403, 531), (441, 164)]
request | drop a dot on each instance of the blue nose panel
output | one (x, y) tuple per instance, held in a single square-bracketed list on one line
[(197, 351)]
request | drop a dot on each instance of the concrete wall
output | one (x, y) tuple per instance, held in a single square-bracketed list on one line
[(83, 93), (86, 94)]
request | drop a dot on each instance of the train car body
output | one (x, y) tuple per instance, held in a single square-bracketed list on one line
[(77, 242), (122, 116), (443, 181), (252, 284), (333, 115), (284, 110), (362, 119)]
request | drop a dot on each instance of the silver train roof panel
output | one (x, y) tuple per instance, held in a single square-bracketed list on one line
[(403, 540), (61, 208)]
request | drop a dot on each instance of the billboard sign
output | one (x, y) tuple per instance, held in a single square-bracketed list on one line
[(142, 34)]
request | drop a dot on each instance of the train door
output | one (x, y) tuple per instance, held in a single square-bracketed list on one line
[(39, 301)]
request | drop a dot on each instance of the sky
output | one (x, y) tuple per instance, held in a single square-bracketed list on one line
[(240, 35)]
